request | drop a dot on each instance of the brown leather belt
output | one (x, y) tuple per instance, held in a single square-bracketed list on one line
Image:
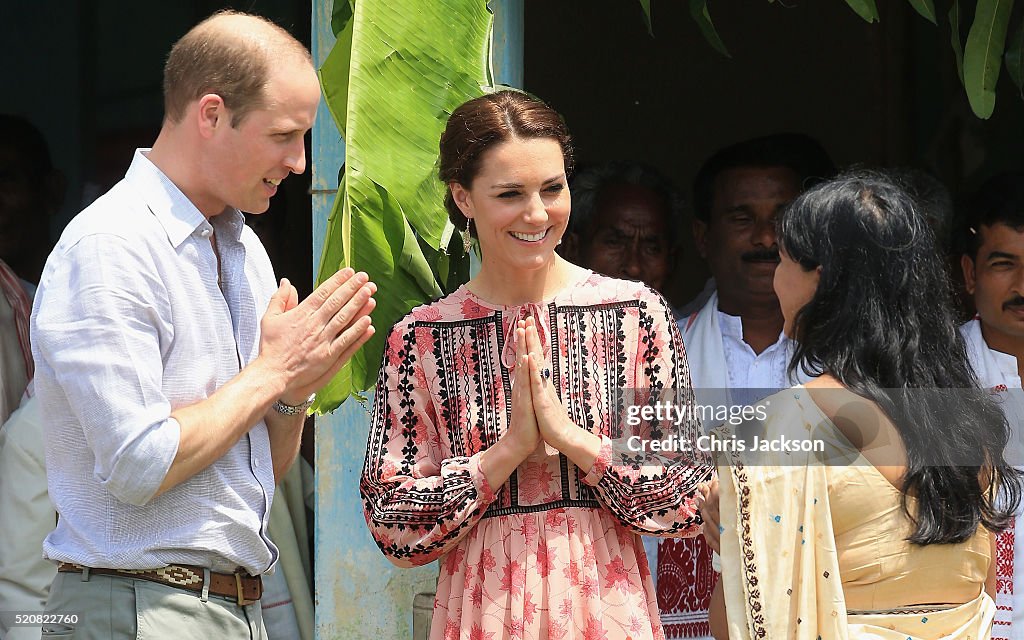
[(242, 587)]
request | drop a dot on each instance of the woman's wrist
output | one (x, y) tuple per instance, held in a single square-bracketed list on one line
[(565, 435), (500, 460), (516, 446), (577, 444)]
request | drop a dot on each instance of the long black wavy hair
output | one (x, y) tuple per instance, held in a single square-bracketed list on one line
[(882, 322)]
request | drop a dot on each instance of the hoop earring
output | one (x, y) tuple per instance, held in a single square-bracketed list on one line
[(467, 238)]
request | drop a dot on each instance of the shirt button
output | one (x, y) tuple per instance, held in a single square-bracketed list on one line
[(256, 462), (205, 233)]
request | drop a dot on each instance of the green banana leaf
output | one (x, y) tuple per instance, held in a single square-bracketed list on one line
[(865, 9), (1015, 57), (926, 8), (955, 39), (983, 54), (699, 12), (646, 6), (397, 71), (341, 15)]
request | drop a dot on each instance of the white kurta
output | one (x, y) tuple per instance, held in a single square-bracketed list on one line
[(997, 371)]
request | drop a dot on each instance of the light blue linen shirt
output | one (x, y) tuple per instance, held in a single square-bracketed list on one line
[(130, 323)]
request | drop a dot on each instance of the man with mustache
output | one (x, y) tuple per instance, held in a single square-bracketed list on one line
[(992, 242), (734, 343)]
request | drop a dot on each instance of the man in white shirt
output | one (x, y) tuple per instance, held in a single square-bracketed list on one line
[(735, 341), (993, 268), (735, 347), (173, 378)]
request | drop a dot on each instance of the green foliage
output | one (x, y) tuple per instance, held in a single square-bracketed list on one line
[(397, 71), (955, 40), (1015, 58), (926, 8), (977, 64), (865, 9), (646, 6), (700, 13), (984, 52)]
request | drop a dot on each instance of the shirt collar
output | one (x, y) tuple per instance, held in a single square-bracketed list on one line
[(732, 327), (175, 212), (991, 366)]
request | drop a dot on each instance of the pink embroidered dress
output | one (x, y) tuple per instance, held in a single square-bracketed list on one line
[(553, 552)]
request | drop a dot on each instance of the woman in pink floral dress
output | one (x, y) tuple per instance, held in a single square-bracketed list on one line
[(497, 406)]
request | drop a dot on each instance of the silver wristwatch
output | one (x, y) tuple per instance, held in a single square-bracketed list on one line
[(294, 409)]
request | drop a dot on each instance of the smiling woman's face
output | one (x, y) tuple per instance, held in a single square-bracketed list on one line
[(519, 204)]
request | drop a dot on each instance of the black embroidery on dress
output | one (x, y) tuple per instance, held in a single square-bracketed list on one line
[(406, 368), (442, 513), (495, 510)]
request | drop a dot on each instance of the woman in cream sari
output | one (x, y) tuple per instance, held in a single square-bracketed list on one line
[(872, 516)]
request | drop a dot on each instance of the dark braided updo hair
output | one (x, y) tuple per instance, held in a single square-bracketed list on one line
[(484, 122)]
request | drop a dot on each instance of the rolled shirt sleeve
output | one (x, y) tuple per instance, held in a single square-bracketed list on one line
[(103, 342), (146, 306)]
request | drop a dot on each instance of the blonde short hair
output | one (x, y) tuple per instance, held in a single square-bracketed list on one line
[(228, 54)]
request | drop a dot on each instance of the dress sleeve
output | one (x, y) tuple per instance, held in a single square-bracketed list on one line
[(654, 494), (417, 507)]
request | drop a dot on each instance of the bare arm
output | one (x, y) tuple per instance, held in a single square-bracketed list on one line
[(708, 504), (717, 614), (990, 579)]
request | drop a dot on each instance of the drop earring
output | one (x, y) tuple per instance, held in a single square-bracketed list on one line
[(467, 238)]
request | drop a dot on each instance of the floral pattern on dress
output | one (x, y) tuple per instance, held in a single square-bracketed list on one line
[(553, 552)]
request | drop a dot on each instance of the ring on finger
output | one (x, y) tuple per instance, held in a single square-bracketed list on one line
[(545, 373)]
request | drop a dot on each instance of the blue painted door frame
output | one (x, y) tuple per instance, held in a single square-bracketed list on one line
[(359, 594)]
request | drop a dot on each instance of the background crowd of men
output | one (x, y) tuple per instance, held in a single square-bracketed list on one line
[(627, 221)]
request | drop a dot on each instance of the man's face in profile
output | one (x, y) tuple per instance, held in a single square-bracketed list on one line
[(253, 156)]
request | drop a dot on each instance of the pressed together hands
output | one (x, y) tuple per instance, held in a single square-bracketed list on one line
[(302, 345), (538, 416), (540, 420), (308, 342)]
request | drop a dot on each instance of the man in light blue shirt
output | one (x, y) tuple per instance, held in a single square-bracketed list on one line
[(172, 372)]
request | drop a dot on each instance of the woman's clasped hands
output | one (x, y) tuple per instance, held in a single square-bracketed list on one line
[(523, 432), (538, 414), (539, 423)]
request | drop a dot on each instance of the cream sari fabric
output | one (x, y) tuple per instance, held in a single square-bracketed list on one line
[(780, 563)]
